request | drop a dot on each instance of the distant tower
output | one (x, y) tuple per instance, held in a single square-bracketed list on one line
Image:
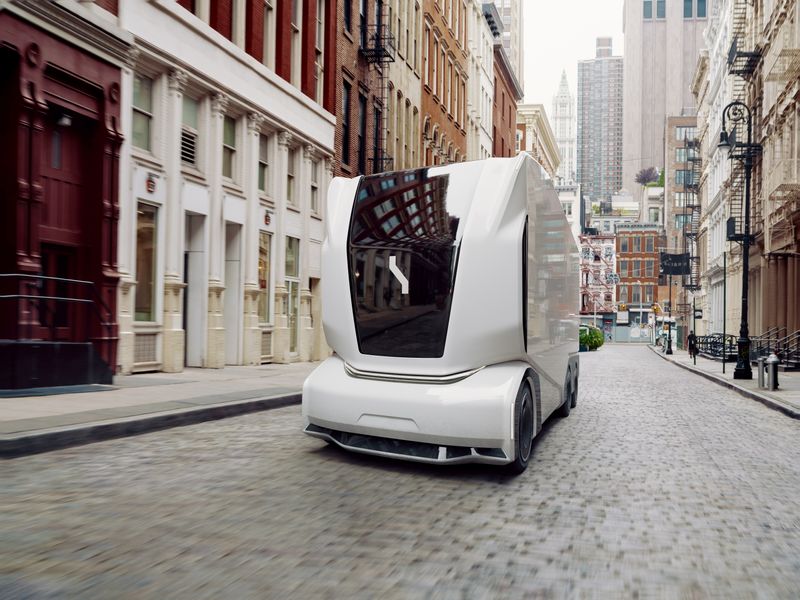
[(564, 130), (599, 160)]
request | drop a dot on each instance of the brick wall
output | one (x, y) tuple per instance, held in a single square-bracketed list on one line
[(222, 16), (351, 66), (504, 113), (254, 29), (111, 6)]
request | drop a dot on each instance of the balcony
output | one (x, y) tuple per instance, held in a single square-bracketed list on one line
[(741, 62), (783, 182)]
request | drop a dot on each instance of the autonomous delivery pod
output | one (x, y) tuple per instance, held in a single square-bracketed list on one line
[(450, 299)]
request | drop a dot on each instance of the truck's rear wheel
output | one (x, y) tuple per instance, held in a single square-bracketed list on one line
[(566, 406)]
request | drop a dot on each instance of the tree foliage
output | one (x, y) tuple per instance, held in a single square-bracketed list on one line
[(648, 175)]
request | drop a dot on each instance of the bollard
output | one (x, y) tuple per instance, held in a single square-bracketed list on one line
[(761, 368), (772, 372)]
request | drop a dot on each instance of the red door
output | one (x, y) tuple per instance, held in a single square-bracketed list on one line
[(63, 167), (60, 319)]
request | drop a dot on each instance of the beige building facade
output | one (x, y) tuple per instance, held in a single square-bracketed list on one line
[(535, 136)]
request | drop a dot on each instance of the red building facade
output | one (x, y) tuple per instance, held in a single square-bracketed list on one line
[(60, 122)]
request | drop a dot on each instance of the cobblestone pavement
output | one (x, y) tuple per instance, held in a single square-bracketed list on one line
[(660, 484)]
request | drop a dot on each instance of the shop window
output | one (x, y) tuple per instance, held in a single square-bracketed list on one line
[(142, 111), (146, 240)]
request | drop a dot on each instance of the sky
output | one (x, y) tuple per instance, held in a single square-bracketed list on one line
[(559, 33)]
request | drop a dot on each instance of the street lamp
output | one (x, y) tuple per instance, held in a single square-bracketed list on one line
[(738, 112)]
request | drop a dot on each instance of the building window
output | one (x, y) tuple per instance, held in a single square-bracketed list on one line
[(268, 56), (660, 9), (623, 268), (376, 141), (362, 20), (319, 52), (655, 215), (228, 147), (648, 9), (263, 162), (189, 131), (701, 9), (680, 155), (142, 111), (637, 268), (649, 244), (685, 133), (297, 51), (623, 244), (683, 177), (637, 294), (348, 15), (637, 244), (648, 294), (648, 268), (362, 134), (315, 186), (346, 122), (687, 9), (291, 169), (264, 251), (293, 289), (146, 240), (623, 294)]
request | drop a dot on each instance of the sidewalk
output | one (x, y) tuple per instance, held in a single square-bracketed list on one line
[(145, 402), (785, 399)]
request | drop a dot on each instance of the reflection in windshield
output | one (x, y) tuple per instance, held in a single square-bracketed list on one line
[(402, 216)]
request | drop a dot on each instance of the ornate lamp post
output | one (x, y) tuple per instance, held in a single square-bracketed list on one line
[(737, 112)]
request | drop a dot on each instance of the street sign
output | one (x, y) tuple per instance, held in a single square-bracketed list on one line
[(698, 314), (674, 264)]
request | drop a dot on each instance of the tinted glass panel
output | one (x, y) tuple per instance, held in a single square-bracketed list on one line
[(400, 230)]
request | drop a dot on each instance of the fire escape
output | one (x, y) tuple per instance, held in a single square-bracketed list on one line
[(691, 227), (378, 49), (598, 279), (742, 63), (782, 183)]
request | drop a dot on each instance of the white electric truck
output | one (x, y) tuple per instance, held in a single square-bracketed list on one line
[(450, 300)]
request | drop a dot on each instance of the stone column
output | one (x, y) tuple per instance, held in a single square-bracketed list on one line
[(252, 331), (173, 338), (215, 336), (304, 194), (280, 333)]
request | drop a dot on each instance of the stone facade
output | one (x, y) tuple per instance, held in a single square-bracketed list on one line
[(535, 137)]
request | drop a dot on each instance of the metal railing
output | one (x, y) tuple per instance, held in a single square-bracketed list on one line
[(716, 345), (788, 350), (50, 312)]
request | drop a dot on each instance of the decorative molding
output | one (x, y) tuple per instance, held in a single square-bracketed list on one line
[(219, 105), (177, 80), (310, 152), (330, 166), (254, 123), (284, 139), (132, 57)]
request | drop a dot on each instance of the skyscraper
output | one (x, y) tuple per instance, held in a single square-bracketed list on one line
[(599, 163), (662, 44), (564, 129)]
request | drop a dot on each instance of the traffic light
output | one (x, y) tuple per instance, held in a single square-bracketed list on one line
[(623, 307)]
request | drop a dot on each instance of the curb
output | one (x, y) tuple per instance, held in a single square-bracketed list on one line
[(55, 439), (765, 400)]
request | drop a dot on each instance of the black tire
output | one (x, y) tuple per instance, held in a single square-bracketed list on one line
[(575, 392), (566, 405), (524, 424)]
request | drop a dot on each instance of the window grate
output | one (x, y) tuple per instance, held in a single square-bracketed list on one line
[(266, 346), (144, 347), (188, 147)]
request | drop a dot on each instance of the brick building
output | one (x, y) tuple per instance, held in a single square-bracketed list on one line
[(444, 83), (637, 249)]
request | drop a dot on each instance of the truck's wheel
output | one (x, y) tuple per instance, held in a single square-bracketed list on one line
[(523, 428), (566, 406), (575, 393)]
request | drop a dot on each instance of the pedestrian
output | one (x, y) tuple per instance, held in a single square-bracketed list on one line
[(692, 341)]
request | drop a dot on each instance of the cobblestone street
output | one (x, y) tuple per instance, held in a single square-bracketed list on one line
[(660, 484)]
